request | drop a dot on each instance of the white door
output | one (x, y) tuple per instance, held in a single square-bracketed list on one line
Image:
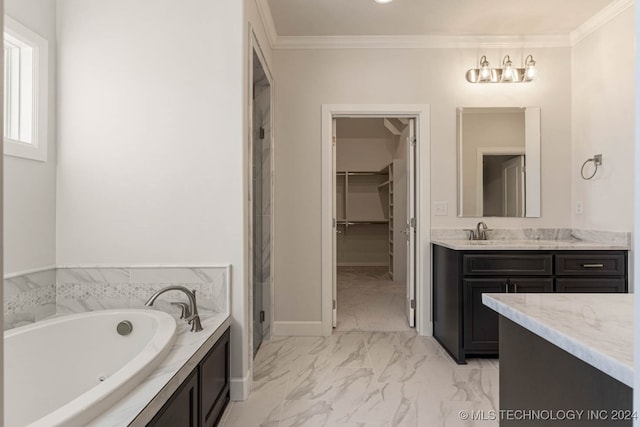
[(334, 262), (399, 225), (411, 224), (513, 197)]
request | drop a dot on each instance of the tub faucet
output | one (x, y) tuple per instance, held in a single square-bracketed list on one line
[(192, 317)]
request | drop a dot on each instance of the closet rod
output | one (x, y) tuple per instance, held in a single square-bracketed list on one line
[(362, 173), (362, 222)]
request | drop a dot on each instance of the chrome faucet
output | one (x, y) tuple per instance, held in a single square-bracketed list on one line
[(190, 313), (481, 231)]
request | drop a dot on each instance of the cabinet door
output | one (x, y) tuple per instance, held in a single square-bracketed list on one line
[(591, 285), (214, 382), (182, 407), (528, 285), (480, 322)]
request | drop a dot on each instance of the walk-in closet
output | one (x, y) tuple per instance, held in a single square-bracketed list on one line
[(371, 213)]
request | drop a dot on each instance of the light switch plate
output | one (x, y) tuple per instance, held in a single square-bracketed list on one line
[(579, 208), (440, 208)]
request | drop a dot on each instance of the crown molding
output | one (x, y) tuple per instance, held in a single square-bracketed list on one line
[(599, 19), (438, 41), (267, 21), (419, 42)]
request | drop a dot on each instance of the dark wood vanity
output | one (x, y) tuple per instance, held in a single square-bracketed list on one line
[(201, 399), (465, 327)]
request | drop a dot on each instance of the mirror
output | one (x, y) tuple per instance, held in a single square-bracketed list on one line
[(499, 162)]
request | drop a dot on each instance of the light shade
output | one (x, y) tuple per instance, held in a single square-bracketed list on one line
[(485, 71), (508, 72), (529, 68)]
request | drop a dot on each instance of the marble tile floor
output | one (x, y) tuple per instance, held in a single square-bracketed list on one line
[(364, 379), (368, 300)]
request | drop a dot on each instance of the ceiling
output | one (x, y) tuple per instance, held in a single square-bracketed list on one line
[(431, 17)]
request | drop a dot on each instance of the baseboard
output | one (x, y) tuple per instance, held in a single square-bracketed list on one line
[(427, 331), (239, 387), (297, 329)]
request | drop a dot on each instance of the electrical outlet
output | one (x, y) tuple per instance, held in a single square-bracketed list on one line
[(579, 208), (440, 208)]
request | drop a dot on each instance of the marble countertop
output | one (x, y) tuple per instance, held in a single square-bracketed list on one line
[(596, 328), (519, 245), (140, 405)]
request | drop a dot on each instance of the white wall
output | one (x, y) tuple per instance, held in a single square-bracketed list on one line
[(151, 152), (30, 186), (603, 123), (309, 78), (363, 154)]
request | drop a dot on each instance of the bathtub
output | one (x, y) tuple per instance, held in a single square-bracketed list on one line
[(67, 370)]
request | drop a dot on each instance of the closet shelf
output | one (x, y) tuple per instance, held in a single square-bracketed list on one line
[(362, 173), (363, 222)]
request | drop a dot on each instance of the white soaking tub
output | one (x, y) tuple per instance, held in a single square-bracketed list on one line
[(67, 370)]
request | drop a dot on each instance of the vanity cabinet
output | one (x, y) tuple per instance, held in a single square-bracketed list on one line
[(464, 326), (480, 325), (203, 396)]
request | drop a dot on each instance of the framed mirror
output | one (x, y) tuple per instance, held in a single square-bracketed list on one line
[(499, 162)]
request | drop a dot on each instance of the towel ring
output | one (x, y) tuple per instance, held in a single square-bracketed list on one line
[(597, 161)]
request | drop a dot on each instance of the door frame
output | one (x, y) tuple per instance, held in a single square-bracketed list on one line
[(420, 112), (254, 47)]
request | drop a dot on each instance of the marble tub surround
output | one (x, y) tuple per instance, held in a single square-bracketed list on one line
[(364, 379), (36, 296), (74, 290), (29, 297), (596, 328), (533, 239), (141, 404)]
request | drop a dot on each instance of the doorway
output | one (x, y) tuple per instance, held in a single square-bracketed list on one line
[(374, 200), (260, 193), (416, 301)]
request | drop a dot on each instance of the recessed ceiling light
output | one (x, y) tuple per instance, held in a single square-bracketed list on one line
[(383, 1)]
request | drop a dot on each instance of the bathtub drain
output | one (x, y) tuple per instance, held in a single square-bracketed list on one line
[(124, 328)]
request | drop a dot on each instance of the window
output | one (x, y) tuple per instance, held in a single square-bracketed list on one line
[(25, 92)]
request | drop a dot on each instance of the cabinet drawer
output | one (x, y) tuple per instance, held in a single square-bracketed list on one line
[(502, 265), (597, 264), (591, 285)]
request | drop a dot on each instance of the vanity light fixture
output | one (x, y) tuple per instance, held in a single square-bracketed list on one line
[(507, 74), (507, 70), (485, 71), (383, 1), (529, 68)]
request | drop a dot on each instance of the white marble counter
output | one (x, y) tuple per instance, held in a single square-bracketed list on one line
[(596, 328), (139, 407), (526, 245)]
